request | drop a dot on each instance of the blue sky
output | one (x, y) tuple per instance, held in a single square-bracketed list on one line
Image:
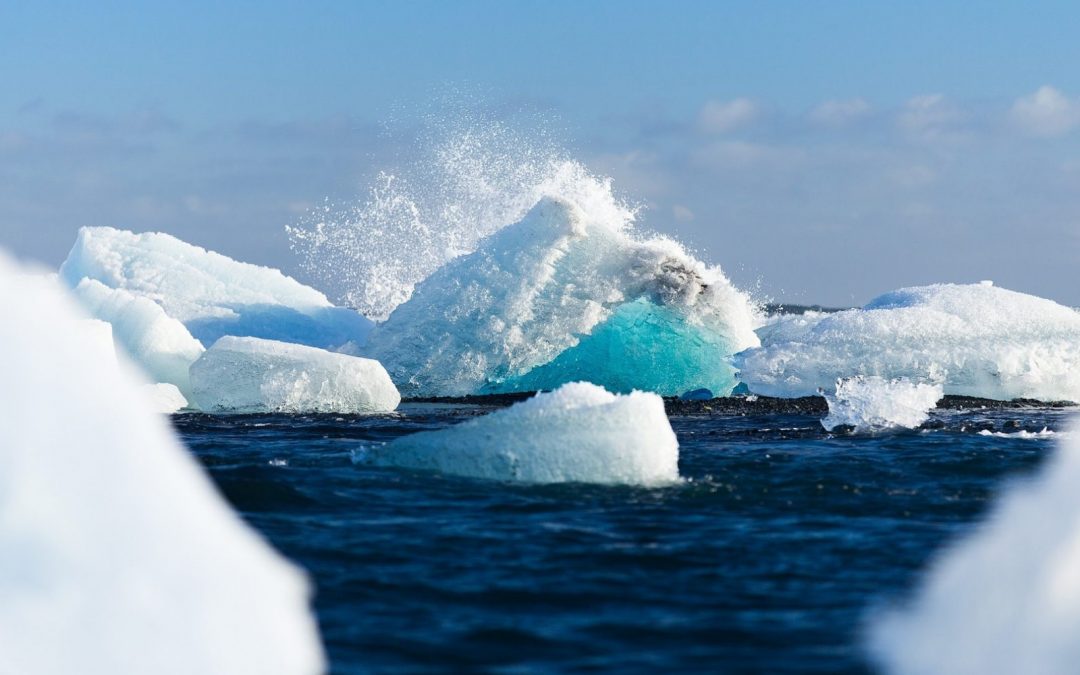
[(824, 151)]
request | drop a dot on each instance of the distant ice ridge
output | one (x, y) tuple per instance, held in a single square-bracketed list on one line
[(567, 294), (246, 375), (158, 343), (212, 295), (577, 433), (117, 555), (1006, 598), (874, 404), (976, 340)]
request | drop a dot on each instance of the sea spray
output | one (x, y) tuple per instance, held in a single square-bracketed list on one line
[(869, 404), (471, 177)]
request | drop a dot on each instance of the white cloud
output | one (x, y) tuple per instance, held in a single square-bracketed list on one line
[(682, 213), (930, 117), (742, 154), (913, 176), (840, 112), (11, 141), (1047, 112), (720, 117)]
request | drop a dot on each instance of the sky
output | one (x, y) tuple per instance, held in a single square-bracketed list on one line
[(819, 152)]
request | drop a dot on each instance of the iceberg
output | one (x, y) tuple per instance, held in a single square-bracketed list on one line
[(96, 335), (164, 398), (973, 339), (561, 296), (212, 295), (870, 404), (248, 375), (577, 433), (119, 555), (1006, 598), (156, 342)]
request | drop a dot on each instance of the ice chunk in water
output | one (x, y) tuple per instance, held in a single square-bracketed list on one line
[(565, 295), (212, 295), (118, 554), (875, 404), (243, 374), (577, 433), (975, 339)]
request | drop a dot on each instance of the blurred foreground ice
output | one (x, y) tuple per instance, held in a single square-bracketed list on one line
[(117, 555), (1006, 598)]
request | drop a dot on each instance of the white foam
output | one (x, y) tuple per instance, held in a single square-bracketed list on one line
[(578, 433), (118, 555), (156, 342), (253, 375), (567, 294), (874, 404), (212, 295), (975, 339), (1006, 598), (1022, 434)]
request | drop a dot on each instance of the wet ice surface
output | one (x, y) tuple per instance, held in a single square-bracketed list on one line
[(768, 560)]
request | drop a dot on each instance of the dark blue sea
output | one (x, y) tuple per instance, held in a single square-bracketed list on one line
[(768, 560)]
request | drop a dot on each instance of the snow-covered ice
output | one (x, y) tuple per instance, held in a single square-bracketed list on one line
[(577, 433), (875, 404), (1006, 598), (211, 294), (156, 342), (244, 374), (117, 554), (974, 339), (567, 294)]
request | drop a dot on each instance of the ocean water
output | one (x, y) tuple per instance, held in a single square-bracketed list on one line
[(769, 559)]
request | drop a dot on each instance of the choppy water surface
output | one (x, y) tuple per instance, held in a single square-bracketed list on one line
[(767, 560)]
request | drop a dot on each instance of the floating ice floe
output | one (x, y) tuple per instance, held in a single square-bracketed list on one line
[(243, 374), (566, 295), (156, 342), (212, 295), (874, 404), (117, 555), (976, 340), (1006, 598), (577, 433), (164, 398)]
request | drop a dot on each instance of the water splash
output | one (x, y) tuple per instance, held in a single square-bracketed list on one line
[(471, 176)]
